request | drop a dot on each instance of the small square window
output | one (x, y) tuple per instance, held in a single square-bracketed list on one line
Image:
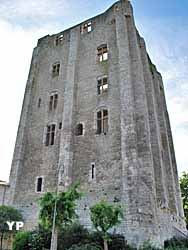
[(59, 39), (86, 28)]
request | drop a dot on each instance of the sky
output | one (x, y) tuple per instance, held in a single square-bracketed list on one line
[(163, 24)]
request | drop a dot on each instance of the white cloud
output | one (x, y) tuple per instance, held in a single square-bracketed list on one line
[(16, 50), (15, 9)]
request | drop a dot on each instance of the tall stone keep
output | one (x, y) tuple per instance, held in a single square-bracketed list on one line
[(94, 111)]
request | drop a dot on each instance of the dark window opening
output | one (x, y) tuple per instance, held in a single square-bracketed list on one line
[(55, 69), (79, 129), (50, 135), (39, 184), (92, 171), (59, 39), (102, 53), (60, 125), (39, 102), (102, 85), (102, 122)]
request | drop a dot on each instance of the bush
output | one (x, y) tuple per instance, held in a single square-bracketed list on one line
[(35, 240), (74, 234), (77, 235), (89, 246), (176, 244), (21, 241), (147, 245)]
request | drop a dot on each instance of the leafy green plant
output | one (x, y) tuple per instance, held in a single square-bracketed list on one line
[(148, 245), (104, 217), (71, 235), (89, 246), (21, 241), (184, 194)]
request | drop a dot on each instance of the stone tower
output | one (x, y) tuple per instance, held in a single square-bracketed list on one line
[(94, 111)]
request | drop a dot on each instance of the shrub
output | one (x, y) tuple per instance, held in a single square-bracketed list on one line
[(21, 241), (74, 234), (147, 245), (88, 246), (176, 244), (35, 240)]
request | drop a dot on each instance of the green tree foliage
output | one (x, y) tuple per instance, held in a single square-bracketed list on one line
[(104, 217), (65, 211), (184, 192), (10, 214)]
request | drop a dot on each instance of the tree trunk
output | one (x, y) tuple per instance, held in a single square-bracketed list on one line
[(105, 245), (54, 241), (1, 242)]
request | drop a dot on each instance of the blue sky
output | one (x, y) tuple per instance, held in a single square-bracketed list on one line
[(163, 24)]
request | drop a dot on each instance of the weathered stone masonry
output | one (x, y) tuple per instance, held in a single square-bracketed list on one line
[(132, 161)]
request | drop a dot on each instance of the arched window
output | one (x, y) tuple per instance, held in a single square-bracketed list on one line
[(50, 135), (53, 101), (102, 121), (102, 53), (79, 129)]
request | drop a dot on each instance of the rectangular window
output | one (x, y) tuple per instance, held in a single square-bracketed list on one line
[(102, 85), (39, 184), (53, 102), (102, 122), (86, 28), (50, 135), (59, 39), (55, 69), (102, 53), (92, 172)]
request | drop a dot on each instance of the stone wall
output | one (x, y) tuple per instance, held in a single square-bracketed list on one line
[(134, 161)]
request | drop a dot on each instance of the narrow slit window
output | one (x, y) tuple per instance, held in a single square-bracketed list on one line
[(39, 102), (60, 125), (102, 53), (102, 122), (55, 69), (39, 184), (102, 85), (50, 135), (92, 171)]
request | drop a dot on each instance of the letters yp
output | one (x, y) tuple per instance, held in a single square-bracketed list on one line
[(19, 225)]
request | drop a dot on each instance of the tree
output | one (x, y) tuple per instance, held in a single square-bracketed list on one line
[(184, 194), (104, 217), (65, 205), (10, 214)]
